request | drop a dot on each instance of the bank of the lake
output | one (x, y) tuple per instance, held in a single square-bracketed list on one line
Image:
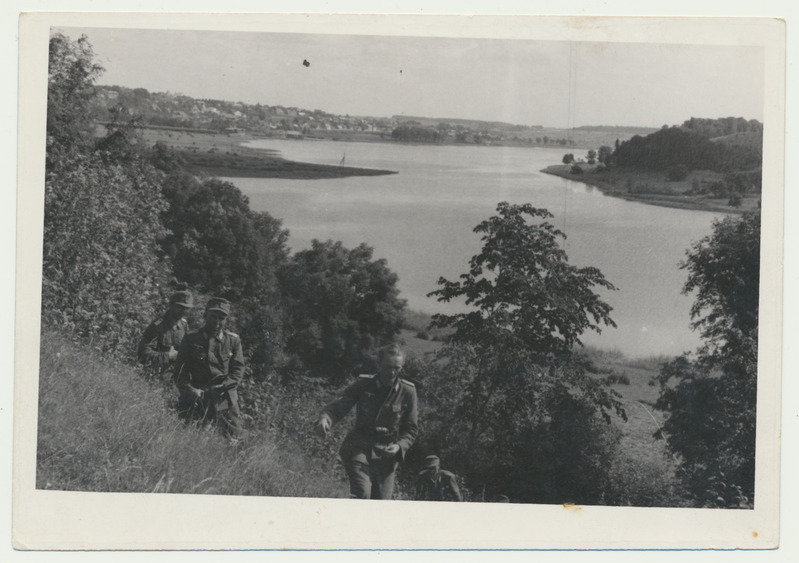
[(651, 187)]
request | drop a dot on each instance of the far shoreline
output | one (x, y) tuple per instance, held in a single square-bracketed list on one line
[(226, 155), (617, 184)]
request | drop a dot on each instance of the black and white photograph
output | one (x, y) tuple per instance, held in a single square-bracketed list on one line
[(491, 270)]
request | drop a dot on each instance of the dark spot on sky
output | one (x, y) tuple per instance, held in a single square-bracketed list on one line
[(305, 62)]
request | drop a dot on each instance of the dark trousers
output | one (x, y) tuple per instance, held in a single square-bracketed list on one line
[(370, 478), (207, 412)]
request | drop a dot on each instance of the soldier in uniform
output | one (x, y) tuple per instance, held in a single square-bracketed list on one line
[(208, 370), (436, 483), (158, 347), (385, 426)]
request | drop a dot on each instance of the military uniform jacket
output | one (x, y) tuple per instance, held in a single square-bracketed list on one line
[(443, 487), (204, 360), (382, 416), (158, 338)]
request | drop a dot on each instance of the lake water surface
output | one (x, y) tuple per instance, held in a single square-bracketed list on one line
[(421, 219)]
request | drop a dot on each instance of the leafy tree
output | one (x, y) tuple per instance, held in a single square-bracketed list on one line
[(604, 154), (123, 141), (522, 395), (416, 133), (568, 158), (70, 90), (342, 305), (678, 146), (591, 156), (217, 244), (677, 173), (711, 399), (102, 274)]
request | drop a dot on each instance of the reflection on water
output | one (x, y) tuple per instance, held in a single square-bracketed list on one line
[(421, 221)]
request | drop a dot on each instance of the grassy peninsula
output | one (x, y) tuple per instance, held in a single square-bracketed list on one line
[(219, 154), (707, 164), (653, 187)]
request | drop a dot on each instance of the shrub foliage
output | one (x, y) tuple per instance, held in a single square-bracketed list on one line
[(711, 398)]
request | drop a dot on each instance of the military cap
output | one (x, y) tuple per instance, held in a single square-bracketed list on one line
[(219, 304), (182, 299), (430, 462)]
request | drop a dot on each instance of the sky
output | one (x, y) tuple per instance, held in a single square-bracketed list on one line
[(550, 83)]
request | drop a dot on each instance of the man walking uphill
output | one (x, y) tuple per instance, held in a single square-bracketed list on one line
[(208, 370), (385, 426), (436, 483), (158, 347)]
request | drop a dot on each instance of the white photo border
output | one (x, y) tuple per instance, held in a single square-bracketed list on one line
[(72, 520)]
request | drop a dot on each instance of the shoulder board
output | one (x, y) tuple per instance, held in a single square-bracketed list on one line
[(233, 334), (406, 382), (157, 322), (446, 473), (366, 376)]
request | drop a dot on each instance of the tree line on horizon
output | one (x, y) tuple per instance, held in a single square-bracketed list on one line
[(510, 400)]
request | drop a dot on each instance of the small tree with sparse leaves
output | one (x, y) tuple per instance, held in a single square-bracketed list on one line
[(524, 397)]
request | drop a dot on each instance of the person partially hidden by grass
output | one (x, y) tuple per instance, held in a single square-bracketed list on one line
[(208, 370), (435, 483), (385, 426), (158, 346)]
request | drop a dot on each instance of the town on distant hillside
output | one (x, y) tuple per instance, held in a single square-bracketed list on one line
[(178, 111)]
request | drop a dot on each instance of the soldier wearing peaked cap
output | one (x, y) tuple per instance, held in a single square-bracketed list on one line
[(436, 483), (158, 346), (385, 426), (208, 370)]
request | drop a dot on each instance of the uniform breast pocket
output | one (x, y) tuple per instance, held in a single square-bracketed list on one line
[(198, 352), (396, 413)]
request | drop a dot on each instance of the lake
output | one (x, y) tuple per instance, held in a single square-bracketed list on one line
[(421, 219)]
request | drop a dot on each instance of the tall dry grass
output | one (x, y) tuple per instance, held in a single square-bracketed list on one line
[(102, 427)]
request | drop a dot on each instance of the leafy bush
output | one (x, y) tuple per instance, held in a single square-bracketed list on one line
[(341, 306), (576, 169), (617, 379), (101, 275)]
